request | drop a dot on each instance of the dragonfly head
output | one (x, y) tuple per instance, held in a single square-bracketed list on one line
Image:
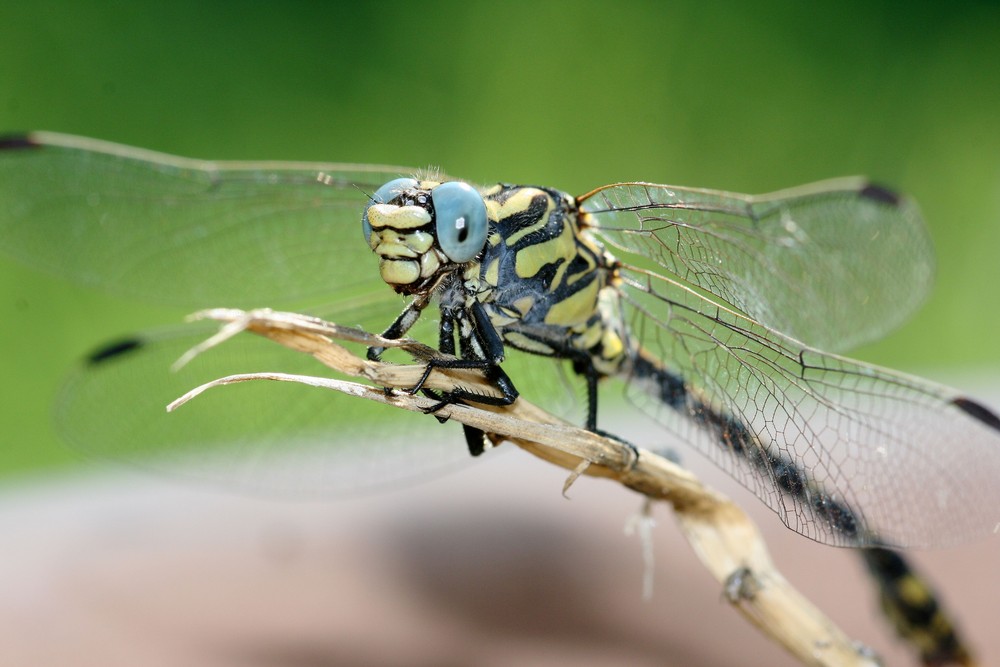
[(421, 230)]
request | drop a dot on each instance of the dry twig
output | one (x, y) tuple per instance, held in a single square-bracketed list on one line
[(725, 539)]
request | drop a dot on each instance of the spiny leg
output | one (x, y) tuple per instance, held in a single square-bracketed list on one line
[(403, 323), (475, 439), (482, 349), (584, 365)]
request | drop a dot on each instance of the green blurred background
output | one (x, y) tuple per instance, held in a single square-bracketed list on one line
[(743, 96)]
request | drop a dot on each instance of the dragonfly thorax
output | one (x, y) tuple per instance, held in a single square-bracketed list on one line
[(547, 286)]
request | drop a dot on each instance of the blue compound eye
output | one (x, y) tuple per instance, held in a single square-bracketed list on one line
[(383, 195), (461, 223)]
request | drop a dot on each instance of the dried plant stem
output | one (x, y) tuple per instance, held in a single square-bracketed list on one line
[(723, 537)]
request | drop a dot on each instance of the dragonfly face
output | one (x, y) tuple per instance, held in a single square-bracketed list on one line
[(424, 230)]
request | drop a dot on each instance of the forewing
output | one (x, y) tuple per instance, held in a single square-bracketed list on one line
[(833, 264), (188, 232), (916, 462)]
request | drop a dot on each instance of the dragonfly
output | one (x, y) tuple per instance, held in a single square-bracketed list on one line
[(722, 313)]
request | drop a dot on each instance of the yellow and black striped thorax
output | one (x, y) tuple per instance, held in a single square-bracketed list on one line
[(547, 282), (546, 285)]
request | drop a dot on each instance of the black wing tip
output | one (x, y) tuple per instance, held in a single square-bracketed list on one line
[(113, 350), (18, 140), (880, 194), (977, 411)]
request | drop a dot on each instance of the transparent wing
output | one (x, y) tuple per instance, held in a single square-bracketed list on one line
[(264, 437), (196, 234), (833, 264), (916, 462), (187, 232)]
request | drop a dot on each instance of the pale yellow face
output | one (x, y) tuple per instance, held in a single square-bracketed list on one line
[(420, 230), (406, 250)]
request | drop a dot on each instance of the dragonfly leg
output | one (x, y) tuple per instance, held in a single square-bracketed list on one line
[(475, 439), (584, 365), (481, 348), (400, 325), (491, 372)]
